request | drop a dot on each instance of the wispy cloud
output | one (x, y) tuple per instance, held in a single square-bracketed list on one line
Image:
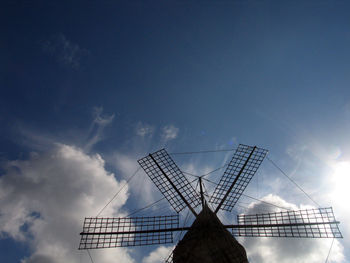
[(95, 133), (38, 139), (101, 119), (169, 132), (144, 129), (65, 51)]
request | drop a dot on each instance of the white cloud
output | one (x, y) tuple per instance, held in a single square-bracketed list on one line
[(44, 200), (159, 255), (288, 250), (169, 132), (65, 51), (144, 129), (141, 187)]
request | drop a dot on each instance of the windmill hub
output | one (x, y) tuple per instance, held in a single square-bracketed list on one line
[(208, 241)]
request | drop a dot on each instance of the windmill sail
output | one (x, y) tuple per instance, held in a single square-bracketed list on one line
[(169, 179), (241, 169), (129, 231), (309, 223)]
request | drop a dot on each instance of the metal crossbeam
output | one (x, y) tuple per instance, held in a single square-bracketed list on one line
[(124, 232), (310, 223), (241, 169), (169, 179)]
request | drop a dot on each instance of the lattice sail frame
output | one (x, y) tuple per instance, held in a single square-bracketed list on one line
[(129, 231), (172, 171), (238, 162), (308, 223)]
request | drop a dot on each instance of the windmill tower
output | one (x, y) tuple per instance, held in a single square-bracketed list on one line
[(207, 240)]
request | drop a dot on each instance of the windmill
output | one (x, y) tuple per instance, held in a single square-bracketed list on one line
[(207, 240)]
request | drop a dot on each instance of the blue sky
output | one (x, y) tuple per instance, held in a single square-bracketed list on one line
[(89, 87)]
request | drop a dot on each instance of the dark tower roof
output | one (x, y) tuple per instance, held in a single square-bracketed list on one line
[(208, 241)]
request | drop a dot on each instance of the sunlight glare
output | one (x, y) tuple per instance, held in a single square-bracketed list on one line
[(341, 181)]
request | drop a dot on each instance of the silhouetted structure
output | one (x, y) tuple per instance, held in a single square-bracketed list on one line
[(207, 240)]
